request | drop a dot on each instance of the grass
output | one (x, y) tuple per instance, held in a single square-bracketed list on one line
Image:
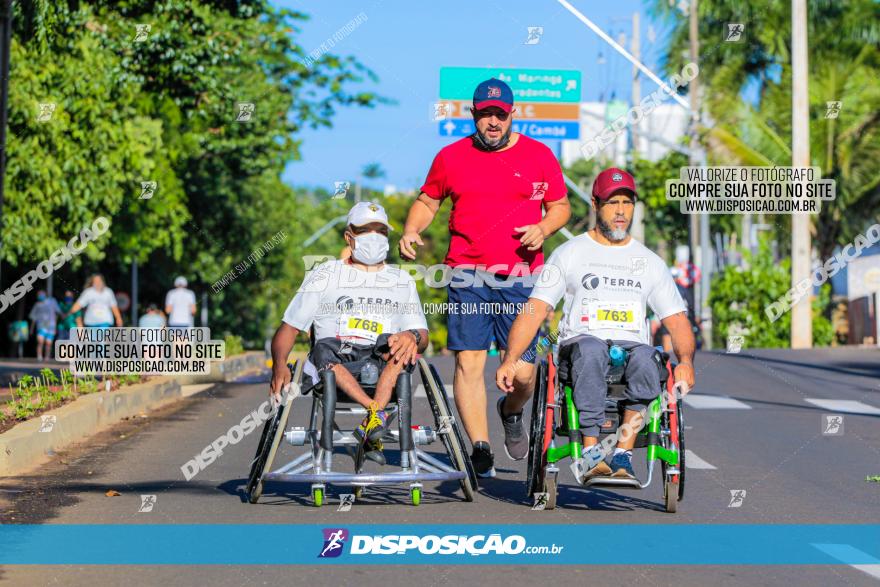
[(36, 394), (234, 345)]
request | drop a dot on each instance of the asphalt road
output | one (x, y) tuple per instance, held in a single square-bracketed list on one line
[(755, 422)]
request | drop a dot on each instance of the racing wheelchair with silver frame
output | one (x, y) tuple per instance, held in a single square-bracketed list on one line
[(323, 435), (555, 435)]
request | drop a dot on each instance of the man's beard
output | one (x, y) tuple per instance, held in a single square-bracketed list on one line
[(615, 235), (484, 144)]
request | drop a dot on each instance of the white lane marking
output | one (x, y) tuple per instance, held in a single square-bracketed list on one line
[(420, 390), (845, 552), (692, 461), (714, 402), (846, 406)]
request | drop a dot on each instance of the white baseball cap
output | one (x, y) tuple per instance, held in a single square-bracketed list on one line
[(367, 212), (180, 281)]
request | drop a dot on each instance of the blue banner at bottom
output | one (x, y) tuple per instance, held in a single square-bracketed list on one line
[(599, 544)]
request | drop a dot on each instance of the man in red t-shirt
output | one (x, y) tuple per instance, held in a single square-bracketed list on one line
[(499, 182)]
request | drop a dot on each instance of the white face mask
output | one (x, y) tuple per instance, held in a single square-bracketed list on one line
[(370, 248)]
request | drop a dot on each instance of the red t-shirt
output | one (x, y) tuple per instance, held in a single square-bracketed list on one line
[(493, 193)]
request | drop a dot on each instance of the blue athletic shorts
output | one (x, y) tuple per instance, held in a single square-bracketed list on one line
[(479, 312), (45, 333)]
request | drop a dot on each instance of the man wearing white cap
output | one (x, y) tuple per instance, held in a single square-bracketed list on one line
[(180, 305), (366, 317)]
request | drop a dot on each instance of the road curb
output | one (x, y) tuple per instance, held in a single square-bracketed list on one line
[(224, 371), (25, 447)]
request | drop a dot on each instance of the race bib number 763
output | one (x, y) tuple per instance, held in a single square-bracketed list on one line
[(615, 315)]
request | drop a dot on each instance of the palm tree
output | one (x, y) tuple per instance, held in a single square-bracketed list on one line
[(844, 65)]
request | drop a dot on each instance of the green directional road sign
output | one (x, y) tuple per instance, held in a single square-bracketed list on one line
[(528, 85)]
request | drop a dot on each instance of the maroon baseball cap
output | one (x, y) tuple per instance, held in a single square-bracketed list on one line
[(612, 180)]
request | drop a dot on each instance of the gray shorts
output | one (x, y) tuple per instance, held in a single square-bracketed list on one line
[(327, 352), (583, 364)]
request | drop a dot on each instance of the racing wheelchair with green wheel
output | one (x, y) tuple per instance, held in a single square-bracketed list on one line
[(555, 435), (323, 435)]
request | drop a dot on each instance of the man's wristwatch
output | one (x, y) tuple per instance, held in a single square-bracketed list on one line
[(417, 334)]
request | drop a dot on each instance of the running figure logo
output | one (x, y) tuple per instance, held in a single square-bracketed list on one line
[(535, 33), (334, 540), (440, 111), (340, 189), (638, 266), (833, 109), (148, 188), (833, 425), (47, 422), (736, 498), (540, 501), (45, 113), (735, 343), (147, 503), (539, 190), (734, 31), (346, 500), (141, 32), (245, 109)]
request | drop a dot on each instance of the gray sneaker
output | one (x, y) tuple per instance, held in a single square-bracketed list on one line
[(516, 439)]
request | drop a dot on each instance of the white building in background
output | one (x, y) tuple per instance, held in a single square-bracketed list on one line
[(657, 133)]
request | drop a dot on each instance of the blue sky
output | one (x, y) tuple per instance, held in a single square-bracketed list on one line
[(407, 42)]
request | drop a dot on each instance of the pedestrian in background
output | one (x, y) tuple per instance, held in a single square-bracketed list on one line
[(44, 319), (180, 305), (99, 303), (154, 318), (68, 318)]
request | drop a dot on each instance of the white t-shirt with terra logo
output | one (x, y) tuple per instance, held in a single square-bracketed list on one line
[(355, 305), (607, 288)]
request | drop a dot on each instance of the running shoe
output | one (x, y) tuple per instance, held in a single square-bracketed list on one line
[(373, 451), (621, 465), (373, 426), (516, 439), (483, 460)]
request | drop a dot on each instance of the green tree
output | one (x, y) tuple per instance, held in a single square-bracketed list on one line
[(844, 62), (208, 103), (739, 296)]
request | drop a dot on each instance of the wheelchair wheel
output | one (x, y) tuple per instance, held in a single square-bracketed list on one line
[(318, 496), (452, 439), (673, 485), (539, 437), (273, 431), (681, 451), (670, 495), (550, 486)]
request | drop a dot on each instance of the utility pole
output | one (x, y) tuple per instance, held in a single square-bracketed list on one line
[(636, 89), (638, 224), (134, 292), (700, 244), (801, 316), (5, 37), (694, 92)]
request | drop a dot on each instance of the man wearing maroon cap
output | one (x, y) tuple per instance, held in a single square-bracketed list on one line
[(499, 183), (607, 279)]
